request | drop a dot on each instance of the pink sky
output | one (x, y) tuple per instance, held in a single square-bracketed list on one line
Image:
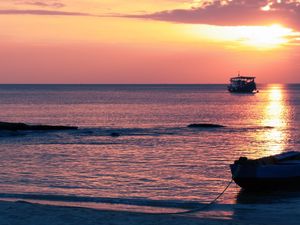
[(172, 42)]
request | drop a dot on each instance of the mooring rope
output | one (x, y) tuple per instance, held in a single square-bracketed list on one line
[(203, 207)]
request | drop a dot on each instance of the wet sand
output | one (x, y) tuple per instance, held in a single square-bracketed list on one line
[(19, 213)]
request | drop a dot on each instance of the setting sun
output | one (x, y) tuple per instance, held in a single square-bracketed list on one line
[(265, 37), (260, 37)]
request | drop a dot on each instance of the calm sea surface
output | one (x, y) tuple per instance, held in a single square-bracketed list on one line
[(157, 160)]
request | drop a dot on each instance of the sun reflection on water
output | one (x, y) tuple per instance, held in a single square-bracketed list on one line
[(275, 115)]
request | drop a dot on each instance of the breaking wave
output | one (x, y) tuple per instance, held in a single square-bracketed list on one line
[(124, 201)]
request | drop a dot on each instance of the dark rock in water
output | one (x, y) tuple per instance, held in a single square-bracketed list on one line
[(268, 127), (115, 134), (23, 126), (204, 125)]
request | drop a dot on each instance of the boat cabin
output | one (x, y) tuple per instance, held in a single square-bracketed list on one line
[(241, 80)]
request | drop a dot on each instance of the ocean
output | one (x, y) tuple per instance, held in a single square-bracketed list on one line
[(155, 160)]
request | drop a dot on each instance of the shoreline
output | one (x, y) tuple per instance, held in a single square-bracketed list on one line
[(22, 212)]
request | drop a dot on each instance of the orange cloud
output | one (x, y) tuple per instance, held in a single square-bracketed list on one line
[(234, 13)]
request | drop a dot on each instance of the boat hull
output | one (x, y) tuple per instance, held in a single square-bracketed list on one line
[(254, 183), (242, 89), (266, 177)]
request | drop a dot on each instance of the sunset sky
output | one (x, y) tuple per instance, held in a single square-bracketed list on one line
[(149, 41)]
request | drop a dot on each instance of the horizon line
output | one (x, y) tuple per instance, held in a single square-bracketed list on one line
[(134, 83)]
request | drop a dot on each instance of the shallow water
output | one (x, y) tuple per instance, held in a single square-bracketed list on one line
[(156, 160)]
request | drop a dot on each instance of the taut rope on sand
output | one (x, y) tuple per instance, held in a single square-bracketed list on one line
[(203, 207)]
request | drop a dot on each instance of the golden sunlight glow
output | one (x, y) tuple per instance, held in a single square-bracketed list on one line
[(261, 37), (275, 117), (265, 37), (275, 108)]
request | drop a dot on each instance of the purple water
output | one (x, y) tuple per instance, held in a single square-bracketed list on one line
[(157, 160)]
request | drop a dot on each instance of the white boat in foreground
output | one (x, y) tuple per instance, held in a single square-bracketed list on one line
[(267, 173)]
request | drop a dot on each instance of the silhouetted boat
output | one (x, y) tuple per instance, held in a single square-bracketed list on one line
[(242, 84), (267, 173)]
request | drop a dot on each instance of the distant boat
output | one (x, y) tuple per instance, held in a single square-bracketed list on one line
[(242, 84), (268, 173)]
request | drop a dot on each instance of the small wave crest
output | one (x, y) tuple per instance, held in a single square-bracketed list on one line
[(123, 201), (87, 132), (248, 128), (119, 132)]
